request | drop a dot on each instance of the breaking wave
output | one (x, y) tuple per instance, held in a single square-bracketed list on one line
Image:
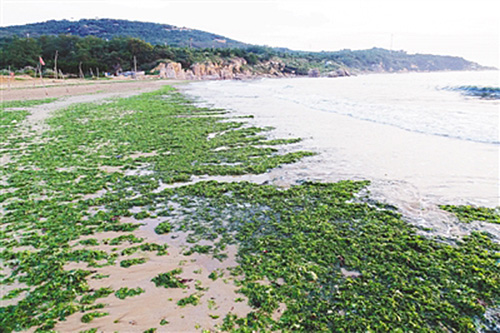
[(477, 91)]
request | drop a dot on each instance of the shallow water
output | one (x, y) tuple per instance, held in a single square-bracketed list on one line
[(420, 144), (430, 103)]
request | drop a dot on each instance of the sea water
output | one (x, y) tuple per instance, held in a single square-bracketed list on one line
[(422, 139), (431, 103)]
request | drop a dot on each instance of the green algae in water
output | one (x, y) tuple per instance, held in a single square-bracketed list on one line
[(467, 214), (303, 238)]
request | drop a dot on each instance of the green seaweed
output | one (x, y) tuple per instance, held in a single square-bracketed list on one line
[(89, 242), (214, 275), (123, 238), (203, 249), (306, 236), (90, 298), (160, 249), (169, 279), (130, 262), (163, 228), (125, 292), (88, 317), (192, 299), (294, 246), (467, 214), (14, 293)]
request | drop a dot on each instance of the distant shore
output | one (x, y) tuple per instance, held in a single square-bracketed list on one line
[(28, 88)]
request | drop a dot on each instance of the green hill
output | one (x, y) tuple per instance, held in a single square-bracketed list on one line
[(153, 33), (110, 43)]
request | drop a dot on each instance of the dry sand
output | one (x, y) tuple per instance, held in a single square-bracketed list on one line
[(29, 88)]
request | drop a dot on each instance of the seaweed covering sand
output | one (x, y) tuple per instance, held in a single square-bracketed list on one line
[(79, 204)]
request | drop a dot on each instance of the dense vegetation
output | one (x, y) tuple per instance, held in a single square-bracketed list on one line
[(328, 257), (93, 52), (154, 33), (340, 265), (107, 45)]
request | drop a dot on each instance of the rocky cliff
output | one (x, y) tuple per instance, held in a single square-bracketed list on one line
[(231, 69)]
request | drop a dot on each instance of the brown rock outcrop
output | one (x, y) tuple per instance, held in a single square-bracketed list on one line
[(314, 73), (235, 68), (339, 73)]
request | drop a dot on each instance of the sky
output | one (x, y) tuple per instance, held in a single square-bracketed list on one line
[(465, 28)]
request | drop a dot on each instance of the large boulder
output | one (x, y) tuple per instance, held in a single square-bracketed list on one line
[(171, 70), (339, 73), (313, 73)]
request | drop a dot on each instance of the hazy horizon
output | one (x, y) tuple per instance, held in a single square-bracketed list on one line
[(468, 29)]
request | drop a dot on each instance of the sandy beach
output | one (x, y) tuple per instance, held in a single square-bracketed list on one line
[(29, 88), (413, 180)]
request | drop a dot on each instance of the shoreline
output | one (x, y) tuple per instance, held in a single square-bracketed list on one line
[(18, 89), (415, 172)]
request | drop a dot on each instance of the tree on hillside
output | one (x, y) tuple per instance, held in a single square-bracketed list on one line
[(140, 49), (66, 46), (23, 52), (90, 52)]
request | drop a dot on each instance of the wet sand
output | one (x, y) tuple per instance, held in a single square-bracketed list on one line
[(138, 313), (415, 172)]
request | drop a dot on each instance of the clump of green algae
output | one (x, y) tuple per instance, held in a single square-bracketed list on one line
[(125, 292), (169, 279), (467, 214)]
